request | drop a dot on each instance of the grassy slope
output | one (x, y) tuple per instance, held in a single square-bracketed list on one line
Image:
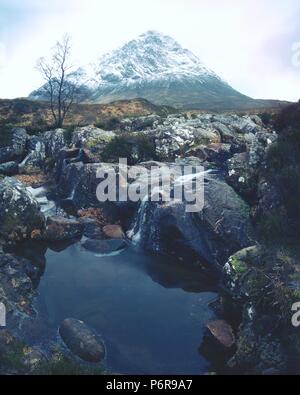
[(36, 115)]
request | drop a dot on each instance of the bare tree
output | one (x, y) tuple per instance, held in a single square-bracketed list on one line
[(59, 89)]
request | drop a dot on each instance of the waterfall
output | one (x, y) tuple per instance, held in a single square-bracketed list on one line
[(141, 219), (135, 233), (48, 207)]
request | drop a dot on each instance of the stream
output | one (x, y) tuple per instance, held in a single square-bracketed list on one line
[(150, 310)]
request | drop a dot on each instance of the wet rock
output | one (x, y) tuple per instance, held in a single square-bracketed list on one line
[(61, 228), (113, 231), (222, 332), (16, 148), (36, 153), (212, 233), (104, 246), (16, 288), (54, 141), (81, 340), (19, 212), (92, 228), (9, 168)]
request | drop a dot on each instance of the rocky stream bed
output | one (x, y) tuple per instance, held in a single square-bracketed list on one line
[(142, 287)]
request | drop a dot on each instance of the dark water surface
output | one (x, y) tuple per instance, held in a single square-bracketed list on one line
[(150, 311)]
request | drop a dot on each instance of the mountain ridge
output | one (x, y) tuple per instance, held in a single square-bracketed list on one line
[(155, 67)]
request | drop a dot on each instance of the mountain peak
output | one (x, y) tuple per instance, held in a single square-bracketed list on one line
[(155, 67)]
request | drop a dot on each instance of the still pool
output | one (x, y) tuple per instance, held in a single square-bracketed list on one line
[(149, 310)]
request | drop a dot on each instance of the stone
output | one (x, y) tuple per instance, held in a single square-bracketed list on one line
[(222, 332), (9, 168), (36, 153), (104, 246), (82, 341), (16, 148), (113, 231), (19, 212), (92, 138), (60, 228), (54, 141), (92, 228)]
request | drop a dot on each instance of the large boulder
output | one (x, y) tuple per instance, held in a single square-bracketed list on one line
[(222, 227), (81, 340), (17, 147), (36, 152), (244, 169), (19, 212), (92, 138)]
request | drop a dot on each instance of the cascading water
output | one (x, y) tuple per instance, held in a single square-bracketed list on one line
[(48, 207), (145, 225)]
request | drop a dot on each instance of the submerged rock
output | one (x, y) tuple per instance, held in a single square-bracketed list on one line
[(81, 340), (104, 246), (222, 332), (19, 212)]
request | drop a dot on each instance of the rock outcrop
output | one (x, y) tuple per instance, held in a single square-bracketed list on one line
[(20, 213)]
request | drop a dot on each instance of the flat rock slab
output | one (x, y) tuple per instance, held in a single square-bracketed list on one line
[(81, 340), (60, 228), (104, 246), (222, 332)]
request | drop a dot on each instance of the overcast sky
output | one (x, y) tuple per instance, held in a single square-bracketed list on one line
[(249, 44)]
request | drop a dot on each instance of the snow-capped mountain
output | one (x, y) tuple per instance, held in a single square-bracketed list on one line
[(155, 67)]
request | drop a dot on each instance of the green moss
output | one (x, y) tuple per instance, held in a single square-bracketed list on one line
[(65, 366), (13, 358), (238, 266)]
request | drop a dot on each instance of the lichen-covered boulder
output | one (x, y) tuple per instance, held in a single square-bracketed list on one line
[(92, 138), (16, 148), (211, 234), (36, 152), (19, 212), (54, 141)]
